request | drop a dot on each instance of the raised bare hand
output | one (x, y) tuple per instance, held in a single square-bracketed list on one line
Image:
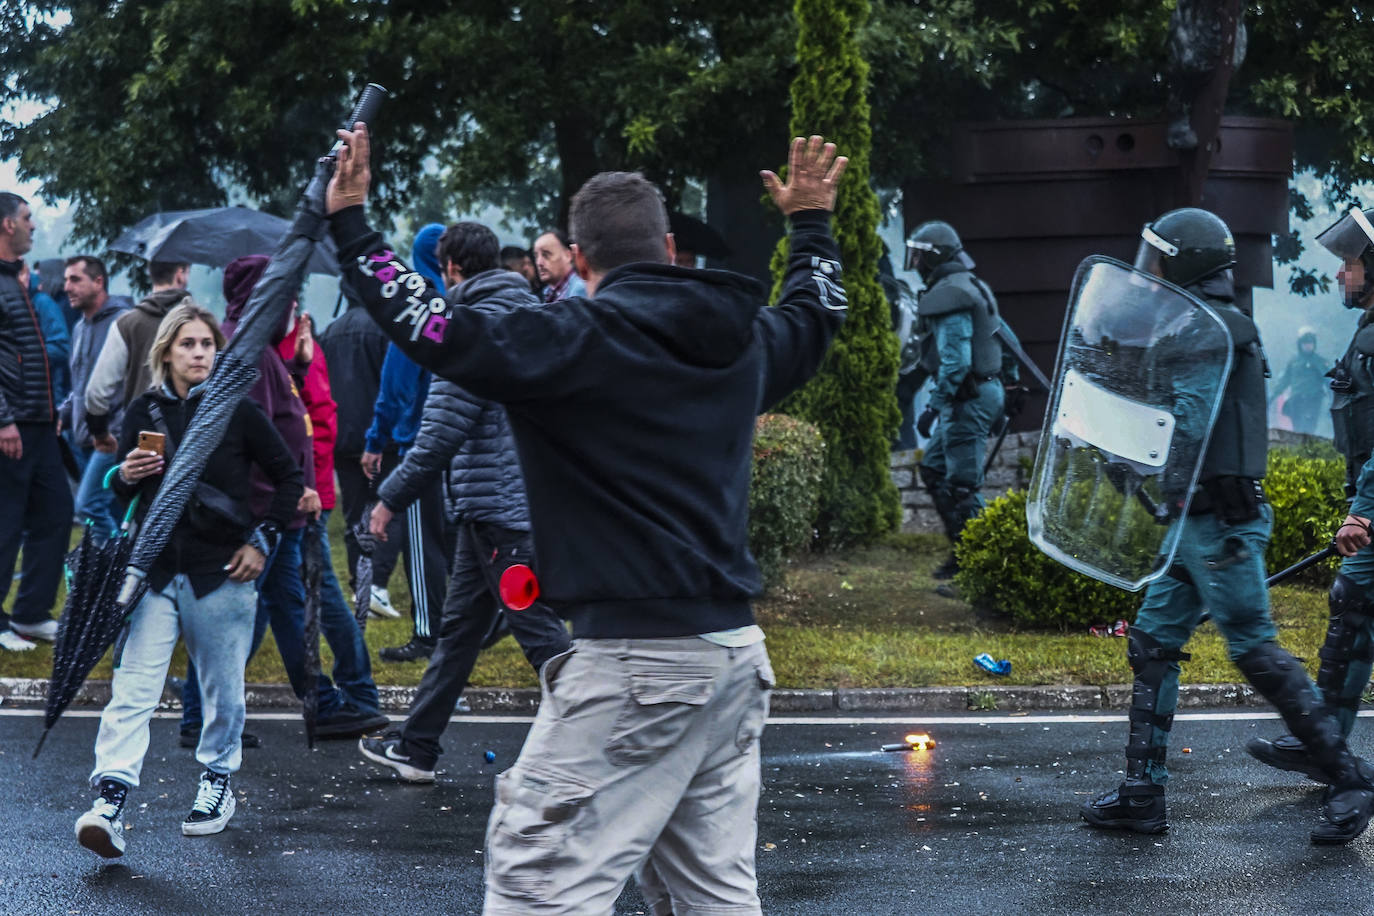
[(352, 171), (813, 175)]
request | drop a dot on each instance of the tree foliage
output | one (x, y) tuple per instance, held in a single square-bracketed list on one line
[(851, 398), (167, 104)]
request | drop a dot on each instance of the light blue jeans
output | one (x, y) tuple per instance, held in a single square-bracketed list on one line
[(218, 629), (94, 501)]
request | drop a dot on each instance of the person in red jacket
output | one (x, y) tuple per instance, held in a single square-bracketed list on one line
[(352, 665)]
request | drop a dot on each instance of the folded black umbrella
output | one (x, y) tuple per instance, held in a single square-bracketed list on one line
[(312, 571), (362, 569), (214, 237), (91, 621)]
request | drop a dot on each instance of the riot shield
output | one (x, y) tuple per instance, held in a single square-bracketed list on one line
[(1139, 379)]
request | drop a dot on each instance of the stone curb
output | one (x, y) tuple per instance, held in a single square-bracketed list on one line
[(524, 700)]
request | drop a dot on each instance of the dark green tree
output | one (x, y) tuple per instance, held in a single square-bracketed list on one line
[(851, 398)]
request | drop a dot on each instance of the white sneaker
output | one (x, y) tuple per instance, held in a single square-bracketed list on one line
[(46, 631), (381, 604), (100, 829), (14, 642), (213, 807)]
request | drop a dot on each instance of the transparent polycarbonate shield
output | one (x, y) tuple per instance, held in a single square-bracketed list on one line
[(1141, 371)]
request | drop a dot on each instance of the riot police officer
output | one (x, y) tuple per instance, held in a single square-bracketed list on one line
[(1304, 379), (1219, 567), (957, 322), (1347, 656)]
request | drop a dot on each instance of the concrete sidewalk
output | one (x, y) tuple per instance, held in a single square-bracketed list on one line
[(32, 691)]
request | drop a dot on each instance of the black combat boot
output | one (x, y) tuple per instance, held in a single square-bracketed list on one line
[(1138, 804), (1281, 680)]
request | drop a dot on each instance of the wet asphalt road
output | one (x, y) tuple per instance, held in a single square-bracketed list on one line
[(986, 822)]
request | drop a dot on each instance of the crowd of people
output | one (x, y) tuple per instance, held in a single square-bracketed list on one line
[(495, 416)]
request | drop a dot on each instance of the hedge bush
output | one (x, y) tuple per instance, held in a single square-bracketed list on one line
[(784, 495), (1306, 488), (1001, 570)]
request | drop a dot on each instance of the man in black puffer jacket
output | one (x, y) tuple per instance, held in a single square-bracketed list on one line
[(485, 498), (35, 501)]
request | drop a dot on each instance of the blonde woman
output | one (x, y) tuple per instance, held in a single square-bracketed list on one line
[(200, 587)]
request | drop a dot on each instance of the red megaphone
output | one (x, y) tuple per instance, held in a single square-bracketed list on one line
[(519, 588)]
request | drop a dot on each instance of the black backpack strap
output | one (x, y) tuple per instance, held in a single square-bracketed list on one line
[(160, 421)]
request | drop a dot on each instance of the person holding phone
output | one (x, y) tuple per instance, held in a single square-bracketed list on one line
[(200, 587)]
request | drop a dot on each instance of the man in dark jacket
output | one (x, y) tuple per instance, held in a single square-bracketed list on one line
[(85, 283), (35, 502), (121, 371), (485, 496), (355, 349), (645, 748)]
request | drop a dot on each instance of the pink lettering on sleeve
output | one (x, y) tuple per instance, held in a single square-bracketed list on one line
[(436, 327), (382, 257)]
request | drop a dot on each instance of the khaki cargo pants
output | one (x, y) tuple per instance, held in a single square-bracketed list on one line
[(643, 759)]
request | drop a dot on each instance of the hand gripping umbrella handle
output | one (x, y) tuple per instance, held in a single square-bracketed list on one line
[(365, 109)]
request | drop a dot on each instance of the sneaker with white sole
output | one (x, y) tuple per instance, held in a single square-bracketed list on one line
[(45, 630), (381, 604), (100, 830), (213, 807), (13, 642), (387, 752)]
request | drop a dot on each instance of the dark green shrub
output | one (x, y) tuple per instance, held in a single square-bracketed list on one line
[(1001, 570), (1306, 488), (784, 495)]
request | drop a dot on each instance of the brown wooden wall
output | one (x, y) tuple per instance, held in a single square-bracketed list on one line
[(1031, 199)]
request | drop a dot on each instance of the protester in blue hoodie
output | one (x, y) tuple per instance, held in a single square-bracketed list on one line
[(396, 420)]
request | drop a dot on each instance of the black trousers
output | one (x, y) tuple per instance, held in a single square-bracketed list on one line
[(36, 514), (471, 611)]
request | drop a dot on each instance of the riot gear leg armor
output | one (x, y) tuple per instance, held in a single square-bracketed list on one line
[(1347, 657), (1138, 803), (1282, 681)]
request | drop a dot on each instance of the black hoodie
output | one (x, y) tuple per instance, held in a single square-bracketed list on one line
[(633, 414)]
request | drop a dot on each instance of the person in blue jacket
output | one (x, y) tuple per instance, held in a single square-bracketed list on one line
[(395, 421)]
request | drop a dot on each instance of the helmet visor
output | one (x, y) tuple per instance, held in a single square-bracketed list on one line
[(918, 254), (1149, 257), (1349, 236)]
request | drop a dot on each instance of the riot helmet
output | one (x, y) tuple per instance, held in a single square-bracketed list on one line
[(1351, 238), (1307, 336), (1185, 246), (931, 244)]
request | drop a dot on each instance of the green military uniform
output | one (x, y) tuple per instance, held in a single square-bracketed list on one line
[(1304, 379), (958, 324), (1347, 654), (1219, 568)]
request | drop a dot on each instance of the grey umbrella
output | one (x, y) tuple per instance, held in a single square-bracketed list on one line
[(215, 237)]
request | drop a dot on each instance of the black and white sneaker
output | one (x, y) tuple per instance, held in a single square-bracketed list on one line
[(387, 752), (100, 830), (213, 808)]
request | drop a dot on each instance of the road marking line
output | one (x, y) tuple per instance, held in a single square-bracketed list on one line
[(913, 719)]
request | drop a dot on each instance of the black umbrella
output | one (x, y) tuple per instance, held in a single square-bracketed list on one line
[(312, 571), (362, 570), (692, 235), (92, 618), (215, 237)]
